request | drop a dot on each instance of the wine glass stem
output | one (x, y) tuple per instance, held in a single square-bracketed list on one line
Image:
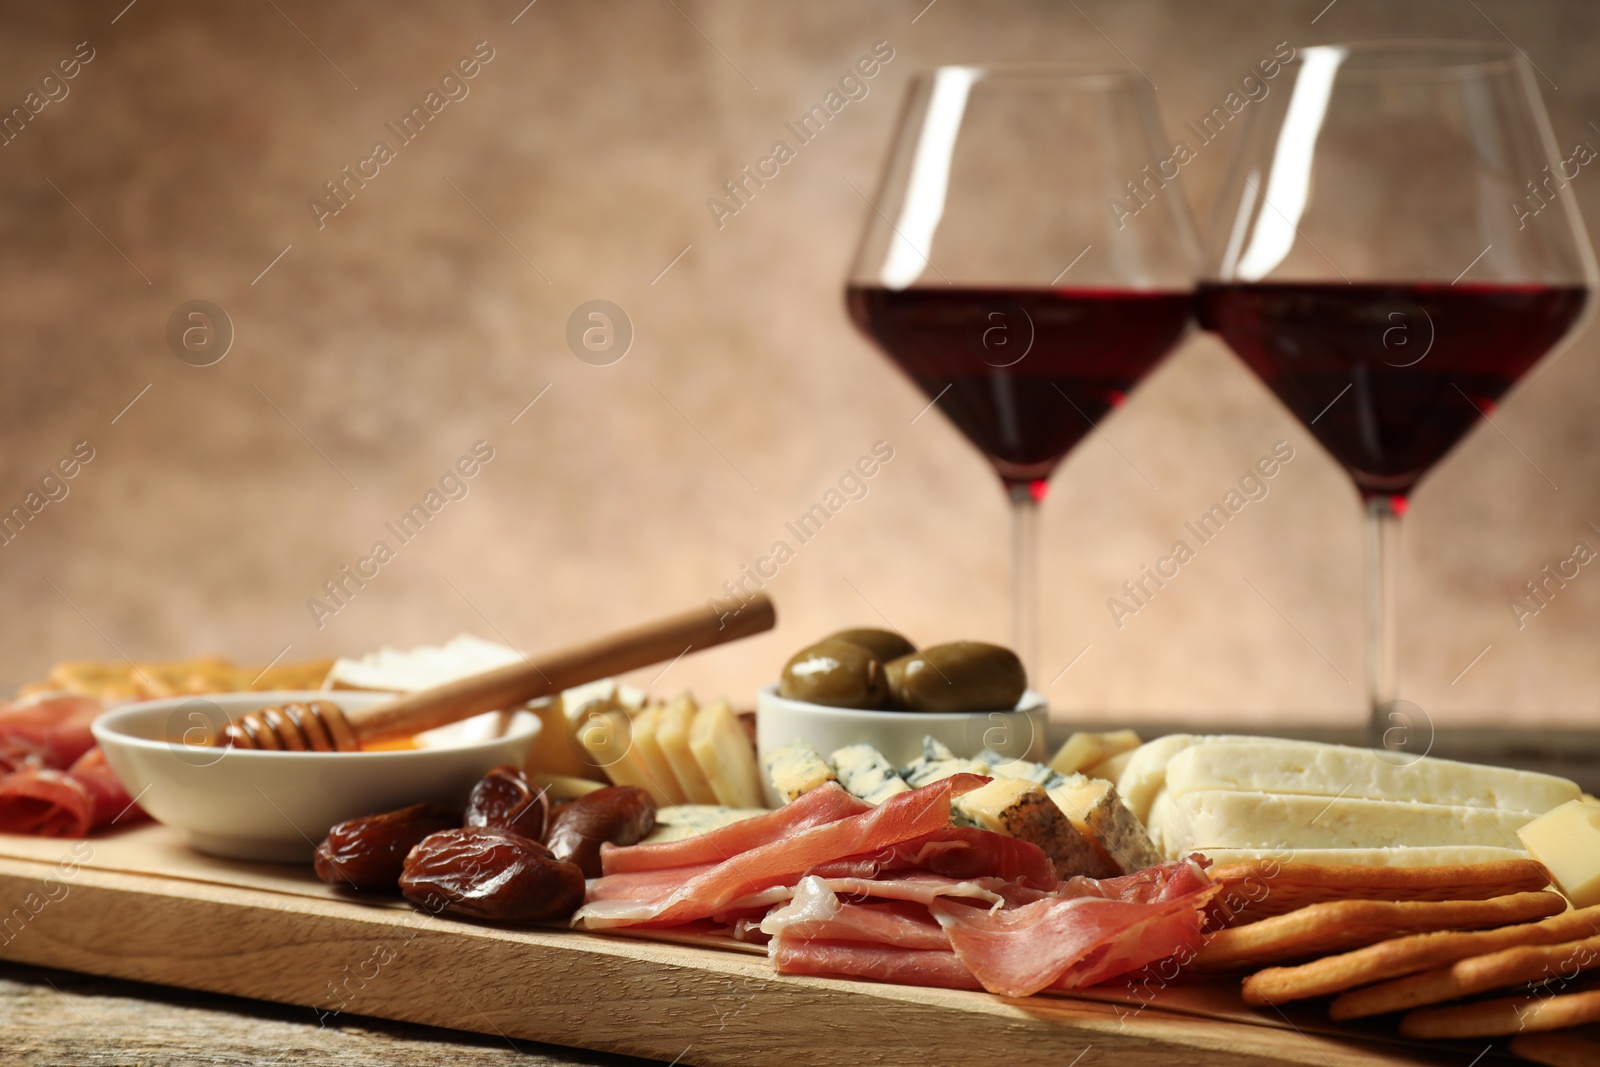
[(1383, 551), (1025, 577)]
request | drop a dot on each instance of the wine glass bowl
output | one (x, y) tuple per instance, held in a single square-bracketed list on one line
[(1395, 248), (1025, 266)]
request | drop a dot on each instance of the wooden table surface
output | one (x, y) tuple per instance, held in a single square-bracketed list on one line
[(52, 1018)]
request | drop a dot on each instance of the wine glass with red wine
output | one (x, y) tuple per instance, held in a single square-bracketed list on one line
[(1396, 246), (1028, 257)]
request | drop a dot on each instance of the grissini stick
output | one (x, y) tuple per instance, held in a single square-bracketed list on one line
[(322, 726)]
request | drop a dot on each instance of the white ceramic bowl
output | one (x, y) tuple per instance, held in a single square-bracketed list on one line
[(277, 806), (1016, 732)]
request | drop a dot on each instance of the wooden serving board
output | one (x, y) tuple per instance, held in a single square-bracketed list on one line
[(140, 905)]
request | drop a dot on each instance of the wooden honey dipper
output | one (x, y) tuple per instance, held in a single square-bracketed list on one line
[(322, 726)]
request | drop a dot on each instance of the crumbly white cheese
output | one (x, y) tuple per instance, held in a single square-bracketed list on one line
[(1282, 766), (1207, 819)]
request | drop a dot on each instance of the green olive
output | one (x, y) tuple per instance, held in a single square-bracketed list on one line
[(885, 644), (840, 674), (959, 676)]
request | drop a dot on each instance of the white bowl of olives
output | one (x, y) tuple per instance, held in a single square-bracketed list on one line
[(873, 687)]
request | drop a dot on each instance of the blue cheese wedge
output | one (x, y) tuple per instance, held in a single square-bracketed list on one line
[(1022, 809), (937, 763), (797, 768), (1093, 806), (867, 773), (1005, 767)]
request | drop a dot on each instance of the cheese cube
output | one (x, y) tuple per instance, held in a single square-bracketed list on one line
[(867, 773), (1022, 809), (663, 781), (1094, 808), (1567, 841), (672, 734), (797, 768), (1083, 750), (725, 756)]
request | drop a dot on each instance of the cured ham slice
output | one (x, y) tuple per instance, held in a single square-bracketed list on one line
[(52, 726), (879, 963), (817, 913), (957, 852), (827, 804), (48, 802), (112, 804), (1084, 933), (784, 860)]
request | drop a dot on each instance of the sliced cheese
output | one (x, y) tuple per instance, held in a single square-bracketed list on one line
[(797, 768), (606, 735), (664, 782), (1282, 766), (672, 734), (1145, 774), (1111, 769), (1203, 820), (1085, 749), (1567, 841), (867, 773), (726, 757), (1022, 809), (555, 747), (691, 820), (1094, 808), (1418, 856)]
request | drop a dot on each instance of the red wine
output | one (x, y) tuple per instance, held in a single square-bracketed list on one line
[(1024, 373), (1389, 376)]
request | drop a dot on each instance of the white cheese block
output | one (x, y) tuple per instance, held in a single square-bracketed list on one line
[(726, 757), (1419, 856), (1281, 766), (1198, 821), (673, 725), (1567, 840), (867, 773), (1146, 772)]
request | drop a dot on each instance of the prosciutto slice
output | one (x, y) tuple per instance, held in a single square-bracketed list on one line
[(785, 859), (54, 727), (878, 963), (823, 805), (817, 913), (53, 780), (957, 852), (1084, 933)]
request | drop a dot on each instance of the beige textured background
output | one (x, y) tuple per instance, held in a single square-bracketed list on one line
[(409, 328)]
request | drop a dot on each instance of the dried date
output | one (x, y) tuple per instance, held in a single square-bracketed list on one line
[(618, 815), (481, 872), (504, 799), (370, 852)]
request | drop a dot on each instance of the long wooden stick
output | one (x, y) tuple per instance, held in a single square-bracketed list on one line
[(506, 687)]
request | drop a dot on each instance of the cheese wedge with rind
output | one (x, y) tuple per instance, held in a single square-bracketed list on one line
[(673, 725), (1092, 805), (1022, 809), (1283, 766), (1206, 819), (727, 759)]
